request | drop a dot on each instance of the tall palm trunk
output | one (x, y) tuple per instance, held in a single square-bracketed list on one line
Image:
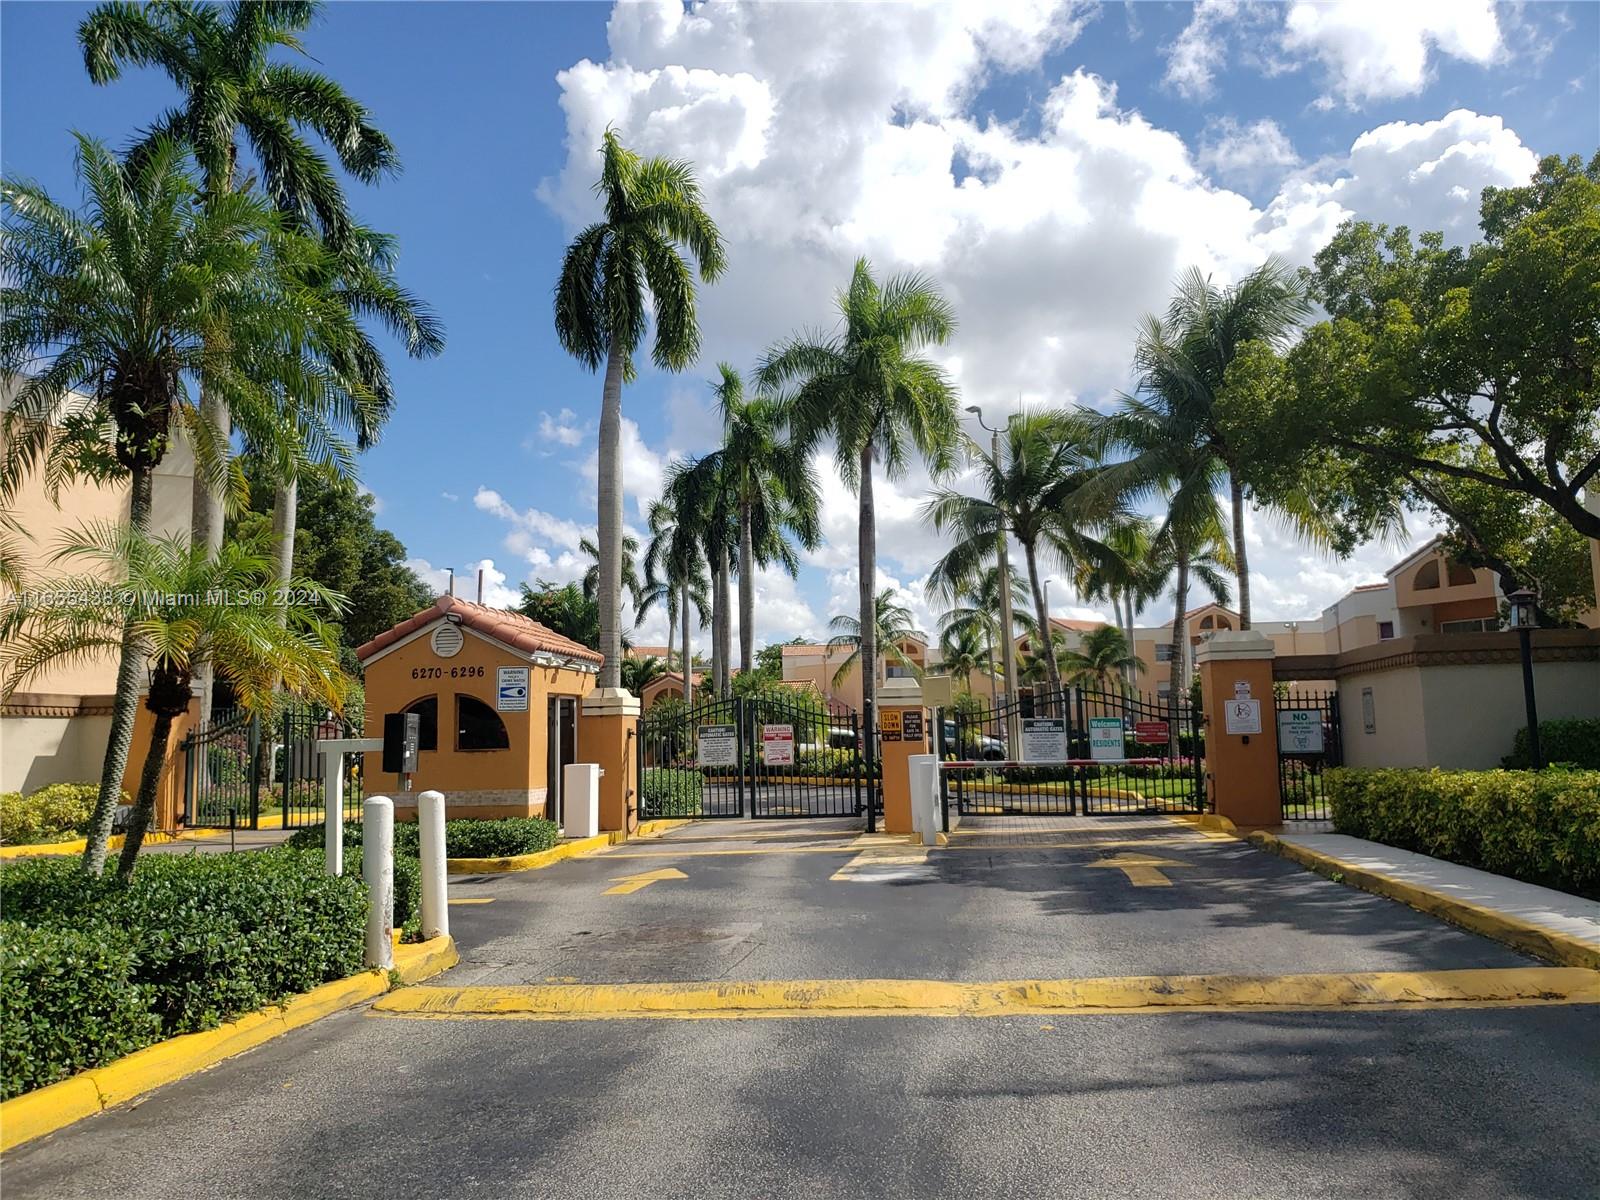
[(1242, 565), (124, 707), (1125, 616), (1047, 641), (144, 804), (609, 591), (285, 514), (1180, 650), (747, 591), (688, 655), (725, 632), (672, 628), (867, 568)]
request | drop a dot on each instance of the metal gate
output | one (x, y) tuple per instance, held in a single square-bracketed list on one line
[(297, 767), (762, 756), (1072, 752), (1310, 740), (220, 772)]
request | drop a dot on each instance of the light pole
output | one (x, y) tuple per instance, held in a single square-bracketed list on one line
[(1523, 619), (1008, 648)]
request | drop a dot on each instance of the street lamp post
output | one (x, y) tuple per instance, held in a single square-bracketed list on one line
[(1008, 648), (1523, 619)]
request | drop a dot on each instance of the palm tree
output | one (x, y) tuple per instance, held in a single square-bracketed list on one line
[(220, 61), (177, 599), (674, 571), (892, 624), (1189, 355), (1035, 491), (1037, 666), (612, 272), (630, 574), (640, 673), (866, 386), (774, 489), (963, 650), (1102, 660), (1121, 577), (110, 313), (976, 606), (703, 504)]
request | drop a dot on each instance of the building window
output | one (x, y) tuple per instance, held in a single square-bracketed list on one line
[(479, 727), (1427, 576), (1164, 690), (1163, 651), (899, 671), (1206, 623), (427, 710), (1461, 575), (1385, 630), (1475, 625)]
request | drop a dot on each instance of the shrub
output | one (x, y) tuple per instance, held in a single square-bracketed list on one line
[(68, 1003), (665, 792), (827, 762), (1539, 826), (48, 813), (1574, 740), (498, 839)]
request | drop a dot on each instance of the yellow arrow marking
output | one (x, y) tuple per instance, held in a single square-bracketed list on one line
[(632, 883), (1141, 869)]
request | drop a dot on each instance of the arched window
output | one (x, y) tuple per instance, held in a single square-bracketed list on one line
[(1462, 575), (479, 727), (1427, 576), (427, 710), (1224, 623), (1206, 623)]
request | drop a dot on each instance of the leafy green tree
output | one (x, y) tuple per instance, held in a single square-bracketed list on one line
[(177, 598), (769, 659), (1036, 492), (868, 388), (111, 312), (614, 271), (892, 624), (566, 610), (1102, 660), (1443, 372)]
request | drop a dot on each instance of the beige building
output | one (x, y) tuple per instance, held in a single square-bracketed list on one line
[(53, 728), (816, 665)]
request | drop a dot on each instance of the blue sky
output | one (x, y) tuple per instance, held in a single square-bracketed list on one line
[(1054, 165)]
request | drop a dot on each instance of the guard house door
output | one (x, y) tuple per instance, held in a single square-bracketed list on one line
[(563, 750)]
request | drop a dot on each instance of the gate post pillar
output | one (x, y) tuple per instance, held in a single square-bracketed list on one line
[(1241, 730), (608, 730), (902, 732)]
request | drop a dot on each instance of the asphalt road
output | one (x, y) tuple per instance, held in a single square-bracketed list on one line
[(1446, 1102)]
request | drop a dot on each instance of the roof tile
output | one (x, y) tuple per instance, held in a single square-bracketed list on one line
[(509, 628)]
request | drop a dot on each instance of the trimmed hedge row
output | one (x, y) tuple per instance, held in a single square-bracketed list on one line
[(462, 839), (1574, 740), (92, 968), (48, 813), (1538, 826)]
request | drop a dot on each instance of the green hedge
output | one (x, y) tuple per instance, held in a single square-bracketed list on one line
[(1574, 740), (195, 940), (665, 792), (462, 839), (51, 813), (1538, 826)]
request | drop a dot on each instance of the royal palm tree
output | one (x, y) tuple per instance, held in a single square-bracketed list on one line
[(1035, 492), (1102, 660), (867, 387), (111, 312), (892, 624), (1187, 356), (614, 271), (674, 570), (1121, 576), (176, 598), (233, 90), (630, 573), (774, 490), (703, 503)]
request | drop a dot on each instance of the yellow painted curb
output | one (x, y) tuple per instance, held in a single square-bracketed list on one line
[(1206, 821), (1547, 944), (660, 825), (29, 1116), (79, 845), (929, 997), (546, 858)]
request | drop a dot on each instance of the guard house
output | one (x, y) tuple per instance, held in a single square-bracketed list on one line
[(497, 695)]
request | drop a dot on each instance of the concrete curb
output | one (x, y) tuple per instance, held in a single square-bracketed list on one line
[(1206, 821), (1515, 932), (78, 845), (48, 1109), (548, 858)]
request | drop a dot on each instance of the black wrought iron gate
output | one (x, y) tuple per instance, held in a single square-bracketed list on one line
[(1310, 740), (1073, 752), (761, 756)]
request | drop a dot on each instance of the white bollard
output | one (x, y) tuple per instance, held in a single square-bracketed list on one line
[(435, 895), (377, 868), (926, 818), (333, 812), (580, 799)]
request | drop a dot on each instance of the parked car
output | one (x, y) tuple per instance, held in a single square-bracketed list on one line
[(991, 749)]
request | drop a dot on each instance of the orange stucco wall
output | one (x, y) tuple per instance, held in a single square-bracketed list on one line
[(488, 783)]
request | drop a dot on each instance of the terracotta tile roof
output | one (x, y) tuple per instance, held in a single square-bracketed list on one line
[(1075, 623), (509, 628), (1370, 587)]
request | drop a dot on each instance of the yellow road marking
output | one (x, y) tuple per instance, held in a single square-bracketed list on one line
[(841, 849), (885, 856), (1141, 869), (1514, 986), (472, 900), (632, 883)]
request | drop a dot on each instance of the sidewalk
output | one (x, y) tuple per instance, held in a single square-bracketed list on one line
[(1465, 895)]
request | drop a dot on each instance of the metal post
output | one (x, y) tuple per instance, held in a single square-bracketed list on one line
[(1525, 637), (252, 772), (377, 868), (1008, 645), (333, 812), (435, 898)]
